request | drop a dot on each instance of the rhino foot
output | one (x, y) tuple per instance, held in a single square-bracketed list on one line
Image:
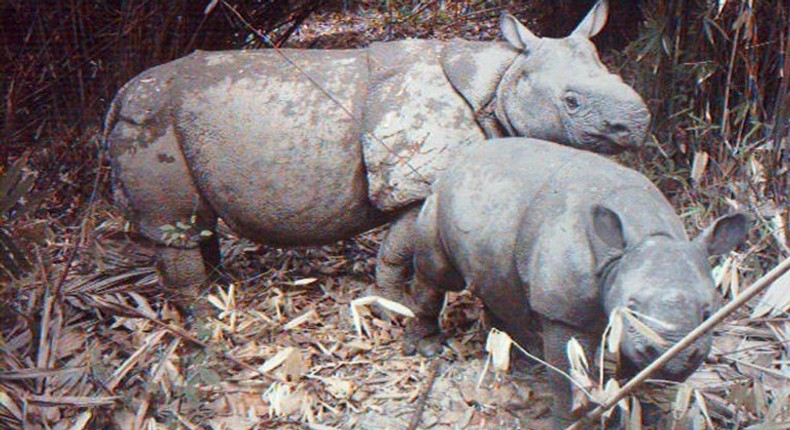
[(423, 336)]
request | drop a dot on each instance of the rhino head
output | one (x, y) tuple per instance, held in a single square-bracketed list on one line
[(558, 90), (665, 282)]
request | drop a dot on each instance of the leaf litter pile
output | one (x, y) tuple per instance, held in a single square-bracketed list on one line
[(88, 340), (99, 346), (105, 349)]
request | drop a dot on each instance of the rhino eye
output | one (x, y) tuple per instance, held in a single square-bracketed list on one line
[(572, 102)]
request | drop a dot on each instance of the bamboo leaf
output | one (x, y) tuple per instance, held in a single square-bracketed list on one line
[(387, 304), (776, 299), (699, 165), (277, 359), (498, 346), (682, 401), (615, 331), (644, 329), (577, 356)]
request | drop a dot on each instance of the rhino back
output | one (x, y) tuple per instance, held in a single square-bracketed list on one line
[(276, 157), (528, 221)]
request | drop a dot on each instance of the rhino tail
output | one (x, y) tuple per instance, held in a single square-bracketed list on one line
[(112, 116)]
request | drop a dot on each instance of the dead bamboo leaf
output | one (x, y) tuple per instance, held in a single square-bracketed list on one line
[(609, 390), (615, 335), (757, 170), (699, 166), (296, 322), (82, 421), (369, 300), (643, 328), (703, 407), (577, 357), (80, 401), (498, 346), (303, 282), (119, 373), (10, 405), (210, 7), (386, 303), (635, 419), (682, 401), (276, 360), (776, 299)]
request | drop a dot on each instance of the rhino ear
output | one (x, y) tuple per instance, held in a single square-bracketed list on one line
[(593, 23), (608, 230), (515, 33), (725, 234)]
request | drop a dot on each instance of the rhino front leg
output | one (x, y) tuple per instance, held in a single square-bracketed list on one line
[(423, 333), (555, 340), (395, 259), (394, 272)]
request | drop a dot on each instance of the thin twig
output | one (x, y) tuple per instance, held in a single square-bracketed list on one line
[(179, 332), (426, 392), (690, 338)]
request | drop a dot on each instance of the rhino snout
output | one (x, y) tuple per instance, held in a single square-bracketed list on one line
[(640, 351), (627, 131)]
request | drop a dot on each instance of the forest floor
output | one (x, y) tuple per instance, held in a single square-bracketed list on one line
[(281, 349)]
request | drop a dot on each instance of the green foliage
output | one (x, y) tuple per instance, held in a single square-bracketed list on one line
[(181, 233), (712, 74)]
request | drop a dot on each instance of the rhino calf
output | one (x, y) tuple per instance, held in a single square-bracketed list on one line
[(555, 239)]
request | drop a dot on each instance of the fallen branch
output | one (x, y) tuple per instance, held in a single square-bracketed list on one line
[(433, 369), (690, 338)]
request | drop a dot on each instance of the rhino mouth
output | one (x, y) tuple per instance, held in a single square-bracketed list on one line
[(678, 369), (604, 144), (635, 358)]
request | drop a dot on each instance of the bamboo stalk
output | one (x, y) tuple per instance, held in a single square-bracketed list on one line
[(690, 338)]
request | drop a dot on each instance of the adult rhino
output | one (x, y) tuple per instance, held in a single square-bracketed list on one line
[(306, 147)]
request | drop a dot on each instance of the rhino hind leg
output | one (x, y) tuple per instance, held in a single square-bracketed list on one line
[(161, 199)]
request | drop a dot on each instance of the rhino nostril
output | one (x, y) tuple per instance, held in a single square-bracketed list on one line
[(651, 351), (697, 355), (616, 128)]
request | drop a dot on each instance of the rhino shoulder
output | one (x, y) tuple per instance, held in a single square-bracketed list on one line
[(413, 119), (558, 272), (475, 68)]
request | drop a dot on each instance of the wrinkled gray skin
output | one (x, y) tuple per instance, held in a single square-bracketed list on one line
[(245, 136), (552, 240)]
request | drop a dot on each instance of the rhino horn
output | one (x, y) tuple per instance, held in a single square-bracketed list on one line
[(724, 234), (594, 22), (516, 34)]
